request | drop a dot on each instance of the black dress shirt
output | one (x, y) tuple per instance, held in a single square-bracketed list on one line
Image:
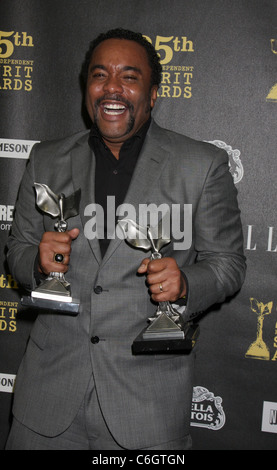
[(112, 176)]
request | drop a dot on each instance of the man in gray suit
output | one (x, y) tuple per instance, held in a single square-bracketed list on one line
[(79, 386)]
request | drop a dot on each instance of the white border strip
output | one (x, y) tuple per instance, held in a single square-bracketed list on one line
[(7, 382), (16, 148)]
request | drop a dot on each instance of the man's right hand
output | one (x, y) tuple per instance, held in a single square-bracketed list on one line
[(53, 243)]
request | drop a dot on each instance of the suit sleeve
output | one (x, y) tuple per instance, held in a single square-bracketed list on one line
[(27, 230), (219, 268)]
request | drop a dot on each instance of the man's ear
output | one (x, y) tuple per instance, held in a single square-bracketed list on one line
[(154, 95)]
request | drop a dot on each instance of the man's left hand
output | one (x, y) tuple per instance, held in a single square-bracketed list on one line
[(164, 279)]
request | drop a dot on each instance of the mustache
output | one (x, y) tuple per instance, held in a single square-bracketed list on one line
[(114, 97)]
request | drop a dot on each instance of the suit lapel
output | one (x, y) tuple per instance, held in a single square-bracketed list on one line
[(148, 169), (83, 174)]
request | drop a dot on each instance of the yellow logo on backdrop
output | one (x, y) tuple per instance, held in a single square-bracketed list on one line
[(176, 79), (8, 309), (259, 349), (15, 74), (272, 95), (8, 282)]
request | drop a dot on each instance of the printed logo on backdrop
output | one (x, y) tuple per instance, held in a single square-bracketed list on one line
[(206, 410), (272, 95), (16, 148), (8, 308), (269, 418), (269, 239), (6, 216), (235, 164), (259, 348), (16, 65), (176, 79), (7, 382)]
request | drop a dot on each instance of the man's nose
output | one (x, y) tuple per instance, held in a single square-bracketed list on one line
[(113, 85)]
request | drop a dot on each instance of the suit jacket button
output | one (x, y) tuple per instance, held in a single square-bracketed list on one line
[(94, 339), (98, 289)]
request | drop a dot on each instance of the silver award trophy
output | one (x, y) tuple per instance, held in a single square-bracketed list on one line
[(54, 292), (167, 331)]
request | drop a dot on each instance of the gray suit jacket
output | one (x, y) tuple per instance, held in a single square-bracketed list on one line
[(145, 400)]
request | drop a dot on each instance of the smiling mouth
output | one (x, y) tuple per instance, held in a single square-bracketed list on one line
[(114, 109)]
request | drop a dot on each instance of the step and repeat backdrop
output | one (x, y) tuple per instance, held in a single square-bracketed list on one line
[(219, 84)]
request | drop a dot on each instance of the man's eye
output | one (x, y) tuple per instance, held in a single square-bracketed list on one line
[(130, 77), (97, 75)]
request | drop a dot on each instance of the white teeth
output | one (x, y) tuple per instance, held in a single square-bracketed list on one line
[(114, 106), (114, 109)]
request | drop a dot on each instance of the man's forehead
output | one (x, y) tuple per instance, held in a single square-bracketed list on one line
[(120, 47)]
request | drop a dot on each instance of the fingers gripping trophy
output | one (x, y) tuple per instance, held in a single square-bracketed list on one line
[(167, 331), (54, 292)]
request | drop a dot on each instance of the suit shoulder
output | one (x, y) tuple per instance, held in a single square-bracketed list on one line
[(187, 146), (63, 145)]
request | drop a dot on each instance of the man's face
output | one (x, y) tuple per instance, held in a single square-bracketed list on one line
[(119, 96)]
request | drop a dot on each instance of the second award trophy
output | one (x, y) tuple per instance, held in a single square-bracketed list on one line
[(54, 292), (167, 331)]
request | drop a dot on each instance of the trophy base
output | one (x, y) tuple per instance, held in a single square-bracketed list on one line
[(61, 306), (53, 288), (166, 342), (52, 294)]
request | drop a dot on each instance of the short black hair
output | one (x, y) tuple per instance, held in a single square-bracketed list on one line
[(120, 33)]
